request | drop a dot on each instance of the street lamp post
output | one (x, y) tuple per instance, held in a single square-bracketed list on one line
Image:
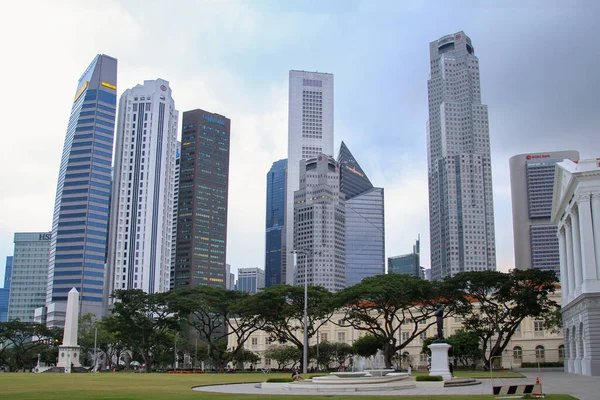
[(306, 253)]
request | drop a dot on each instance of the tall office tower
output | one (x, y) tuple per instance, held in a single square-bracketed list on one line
[(175, 201), (4, 292), (461, 210), (408, 264), (275, 249), (141, 220), (365, 222), (310, 133), (228, 284), (250, 280), (319, 225), (203, 194), (79, 228), (531, 186), (29, 275)]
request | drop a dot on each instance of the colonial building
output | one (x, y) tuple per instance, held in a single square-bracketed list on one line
[(576, 211)]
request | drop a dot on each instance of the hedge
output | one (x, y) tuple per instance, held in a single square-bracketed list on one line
[(542, 364), (279, 380), (429, 378)]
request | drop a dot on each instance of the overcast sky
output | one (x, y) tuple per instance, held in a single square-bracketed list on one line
[(539, 76)]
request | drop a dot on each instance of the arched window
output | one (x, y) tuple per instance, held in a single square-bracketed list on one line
[(518, 354), (561, 352), (540, 353)]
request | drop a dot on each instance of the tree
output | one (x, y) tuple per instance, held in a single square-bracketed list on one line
[(466, 346), (143, 322), (244, 356), (20, 342), (367, 346), (341, 353), (282, 309), (284, 355), (503, 300), (385, 305)]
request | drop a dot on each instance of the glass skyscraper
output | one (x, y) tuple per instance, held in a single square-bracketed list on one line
[(79, 227), (4, 292), (365, 225), (408, 264), (275, 256)]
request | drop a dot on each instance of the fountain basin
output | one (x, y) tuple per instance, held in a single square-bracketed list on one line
[(349, 374), (379, 372), (355, 384)]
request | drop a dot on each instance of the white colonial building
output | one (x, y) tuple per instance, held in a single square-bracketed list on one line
[(576, 211)]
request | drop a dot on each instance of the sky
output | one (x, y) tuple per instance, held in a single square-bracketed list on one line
[(538, 66)]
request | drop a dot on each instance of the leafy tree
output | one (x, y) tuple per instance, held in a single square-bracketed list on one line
[(143, 322), (466, 346), (284, 355), (426, 343), (342, 352), (503, 301), (384, 305), (244, 356), (367, 346), (325, 354), (20, 342), (282, 309)]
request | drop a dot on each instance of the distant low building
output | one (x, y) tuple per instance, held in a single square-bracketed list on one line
[(250, 280)]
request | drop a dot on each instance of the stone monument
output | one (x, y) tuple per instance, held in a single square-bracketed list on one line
[(439, 350), (68, 352)]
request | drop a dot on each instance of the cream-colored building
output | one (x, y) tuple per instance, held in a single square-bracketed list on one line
[(530, 343)]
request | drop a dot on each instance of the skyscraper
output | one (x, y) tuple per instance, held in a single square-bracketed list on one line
[(365, 222), (203, 194), (319, 225), (531, 186), (29, 275), (4, 292), (250, 279), (310, 133), (175, 204), (141, 221), (461, 210), (408, 264), (79, 228), (275, 256)]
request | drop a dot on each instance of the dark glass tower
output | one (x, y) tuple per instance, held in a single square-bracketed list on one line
[(202, 204), (4, 292), (365, 225), (275, 225), (79, 228)]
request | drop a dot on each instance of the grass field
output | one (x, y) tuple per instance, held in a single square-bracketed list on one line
[(129, 386)]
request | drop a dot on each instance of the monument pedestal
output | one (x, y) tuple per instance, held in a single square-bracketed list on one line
[(439, 360), (68, 356)]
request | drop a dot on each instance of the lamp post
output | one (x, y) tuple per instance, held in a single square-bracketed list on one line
[(306, 253)]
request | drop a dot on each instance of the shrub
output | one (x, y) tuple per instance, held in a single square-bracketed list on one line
[(279, 380), (429, 378), (543, 364)]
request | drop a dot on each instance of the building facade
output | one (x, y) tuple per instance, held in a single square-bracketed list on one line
[(275, 250), (141, 222), (408, 264), (365, 220), (175, 204), (461, 210), (29, 275), (250, 280), (531, 187), (310, 133), (80, 222), (202, 204), (576, 212), (320, 225), (5, 291)]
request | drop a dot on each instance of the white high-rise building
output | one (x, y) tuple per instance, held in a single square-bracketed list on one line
[(175, 204), (461, 209), (250, 279), (310, 133), (320, 225), (141, 223)]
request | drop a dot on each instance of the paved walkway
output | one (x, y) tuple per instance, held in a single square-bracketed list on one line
[(581, 387)]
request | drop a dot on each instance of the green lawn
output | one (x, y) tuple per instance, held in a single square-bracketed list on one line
[(130, 386)]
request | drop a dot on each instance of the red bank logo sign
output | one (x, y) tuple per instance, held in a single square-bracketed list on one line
[(537, 156)]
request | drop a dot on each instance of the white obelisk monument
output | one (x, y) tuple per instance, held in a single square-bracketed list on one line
[(68, 352)]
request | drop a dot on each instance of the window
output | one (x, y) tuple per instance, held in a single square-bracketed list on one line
[(254, 341), (405, 336), (518, 354), (538, 328), (561, 352), (423, 357), (540, 353), (341, 337), (323, 337)]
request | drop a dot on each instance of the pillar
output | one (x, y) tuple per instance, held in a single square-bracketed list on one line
[(588, 256), (596, 228), (576, 251), (570, 272), (564, 279), (577, 361), (569, 343)]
